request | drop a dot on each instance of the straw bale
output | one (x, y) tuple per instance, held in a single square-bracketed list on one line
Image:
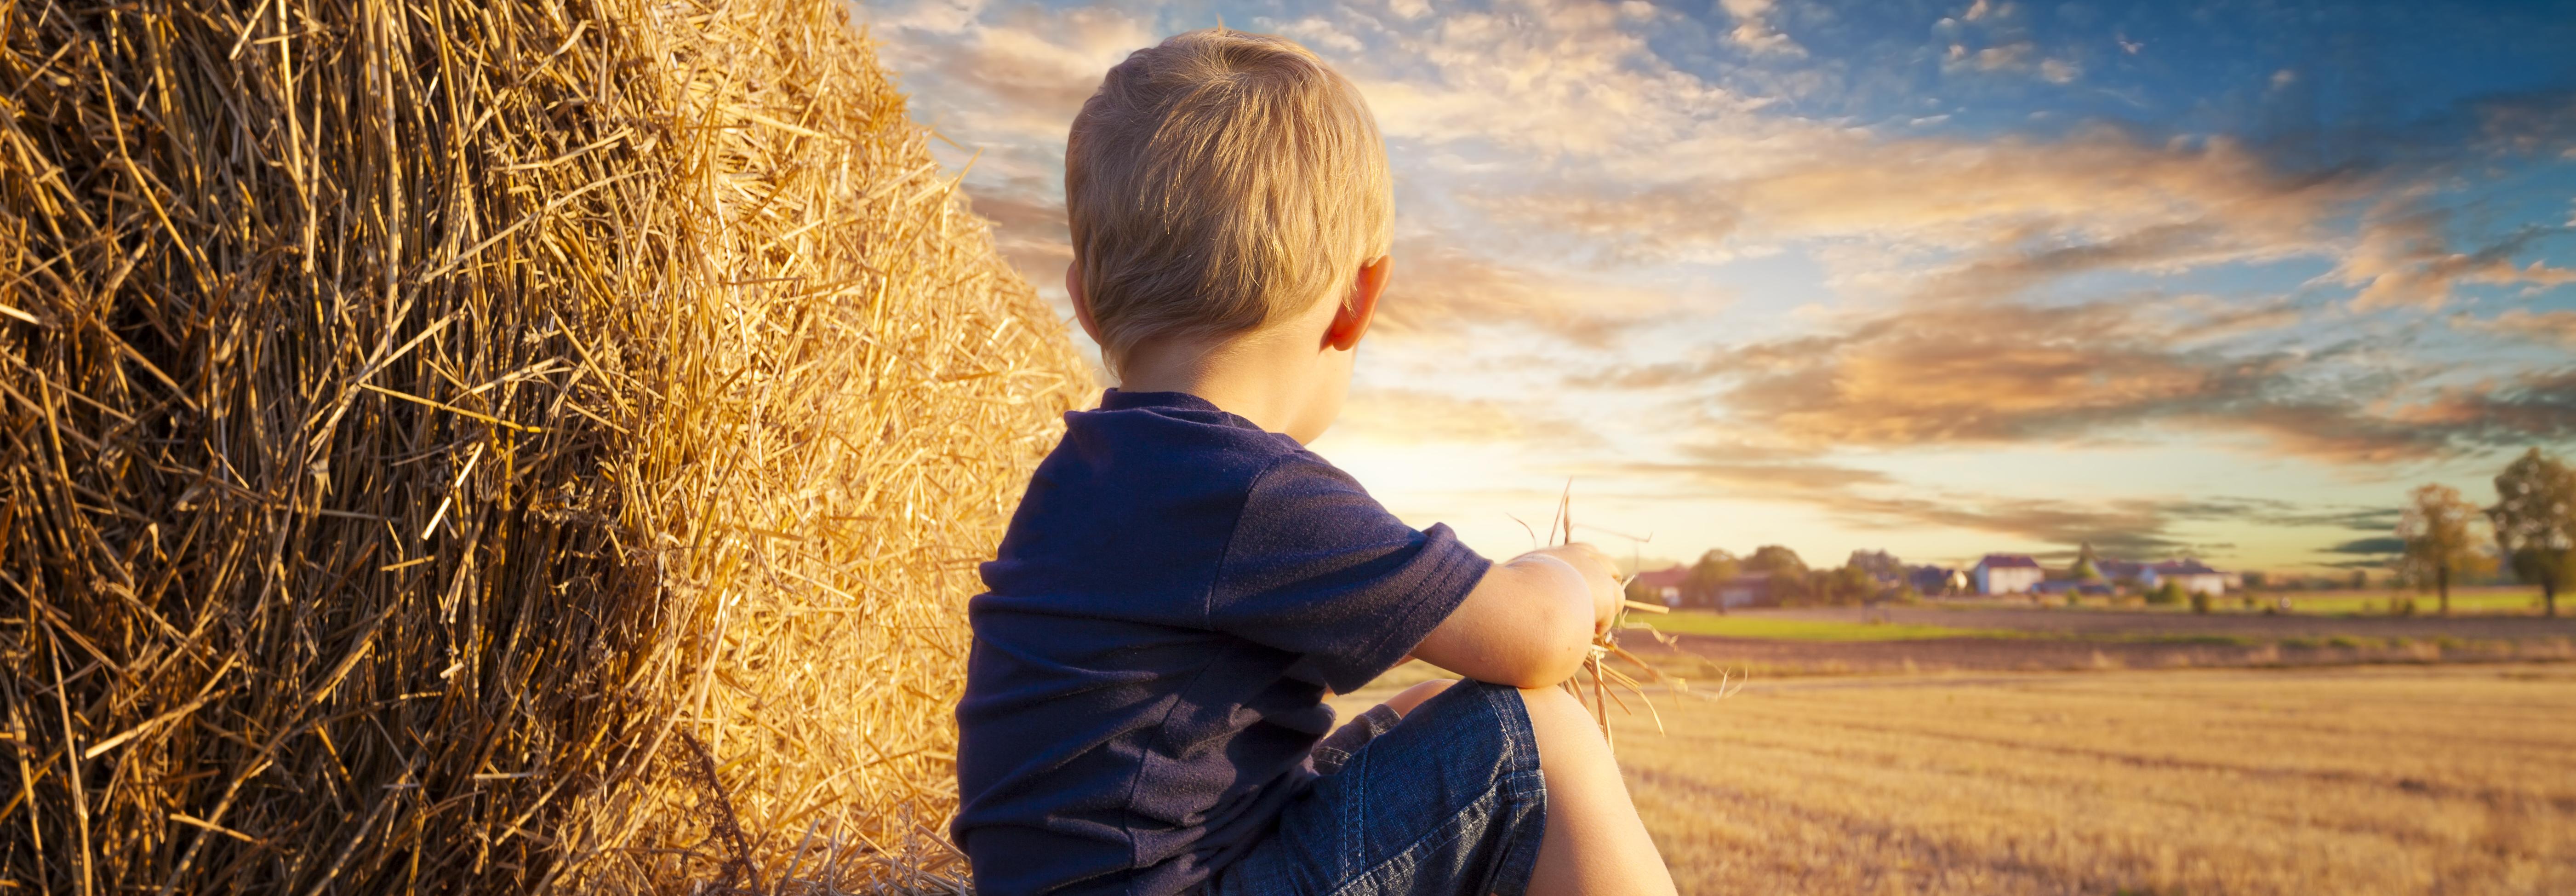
[(465, 447)]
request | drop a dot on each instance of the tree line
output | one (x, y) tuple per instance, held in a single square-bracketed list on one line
[(1865, 577), (2531, 530)]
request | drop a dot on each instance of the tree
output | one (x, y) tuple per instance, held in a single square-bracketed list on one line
[(2168, 593), (2535, 522), (2439, 545), (1776, 560), (2084, 569), (1877, 563), (1709, 574), (1845, 585)]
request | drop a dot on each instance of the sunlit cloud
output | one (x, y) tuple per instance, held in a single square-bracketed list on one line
[(1754, 31), (2546, 327), (2403, 261)]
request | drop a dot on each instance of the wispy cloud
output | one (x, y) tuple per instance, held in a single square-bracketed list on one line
[(1754, 30), (1996, 373), (2546, 327), (1438, 289), (2403, 261)]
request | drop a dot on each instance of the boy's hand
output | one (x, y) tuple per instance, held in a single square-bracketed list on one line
[(1600, 576)]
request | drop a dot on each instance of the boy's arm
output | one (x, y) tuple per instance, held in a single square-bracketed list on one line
[(1529, 622)]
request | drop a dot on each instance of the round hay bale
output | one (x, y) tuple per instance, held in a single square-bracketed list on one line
[(466, 447)]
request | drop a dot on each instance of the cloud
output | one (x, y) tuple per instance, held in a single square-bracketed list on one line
[(1028, 227), (2538, 406), (2014, 56), (2358, 519), (1774, 472), (2099, 197), (2368, 546), (1439, 289), (1018, 74), (1871, 499), (2402, 260), (1531, 83), (2005, 372), (1318, 34), (1625, 225), (1753, 29), (2548, 327), (1976, 373)]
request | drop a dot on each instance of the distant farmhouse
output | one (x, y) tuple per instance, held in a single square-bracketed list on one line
[(1934, 581), (1663, 585), (2194, 577), (2007, 574)]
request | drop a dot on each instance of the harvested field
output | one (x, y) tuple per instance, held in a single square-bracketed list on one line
[(2147, 624), (1843, 641), (2368, 780), (1704, 658)]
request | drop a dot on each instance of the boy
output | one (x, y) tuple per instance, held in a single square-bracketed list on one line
[(1184, 583)]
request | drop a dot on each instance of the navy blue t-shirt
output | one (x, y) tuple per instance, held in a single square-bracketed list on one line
[(1175, 594)]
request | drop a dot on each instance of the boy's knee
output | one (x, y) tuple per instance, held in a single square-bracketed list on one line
[(1563, 726), (1403, 703), (1551, 707)]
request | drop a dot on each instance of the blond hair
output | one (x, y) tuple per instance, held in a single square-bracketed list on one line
[(1218, 182)]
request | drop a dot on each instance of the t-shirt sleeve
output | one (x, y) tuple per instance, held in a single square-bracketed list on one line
[(1317, 567)]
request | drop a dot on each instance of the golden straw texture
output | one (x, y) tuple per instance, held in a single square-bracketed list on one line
[(466, 447)]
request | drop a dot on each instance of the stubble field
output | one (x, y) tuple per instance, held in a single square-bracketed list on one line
[(2439, 779)]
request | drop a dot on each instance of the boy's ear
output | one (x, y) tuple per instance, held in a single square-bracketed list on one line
[(1081, 303), (1351, 320)]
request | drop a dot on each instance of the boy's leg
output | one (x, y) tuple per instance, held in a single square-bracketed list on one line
[(1404, 701), (1594, 842)]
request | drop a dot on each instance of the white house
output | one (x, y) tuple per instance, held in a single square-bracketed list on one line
[(2007, 574), (2192, 575)]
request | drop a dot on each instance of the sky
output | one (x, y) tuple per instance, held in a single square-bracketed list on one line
[(2221, 280)]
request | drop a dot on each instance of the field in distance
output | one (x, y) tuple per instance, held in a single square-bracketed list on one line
[(1991, 636), (2434, 779)]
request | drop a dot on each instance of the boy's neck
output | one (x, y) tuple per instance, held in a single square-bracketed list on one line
[(1259, 378)]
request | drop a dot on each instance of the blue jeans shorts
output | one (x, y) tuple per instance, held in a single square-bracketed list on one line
[(1450, 801)]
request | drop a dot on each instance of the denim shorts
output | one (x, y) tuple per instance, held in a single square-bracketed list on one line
[(1449, 801)]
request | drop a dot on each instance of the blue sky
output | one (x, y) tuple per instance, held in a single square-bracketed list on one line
[(1942, 278)]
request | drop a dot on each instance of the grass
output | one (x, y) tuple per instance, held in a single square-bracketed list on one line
[(1689, 623), (2418, 780), (2502, 601)]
